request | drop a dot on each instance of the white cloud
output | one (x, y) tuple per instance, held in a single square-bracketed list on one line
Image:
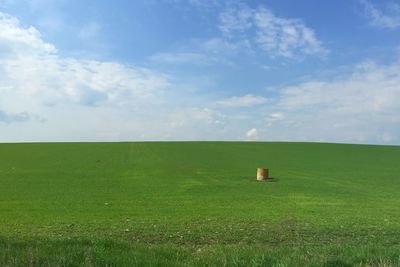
[(22, 41), (54, 80), (361, 107), (32, 70), (388, 19), (242, 101), (273, 117), (58, 98), (277, 36), (195, 124), (370, 88), (252, 134)]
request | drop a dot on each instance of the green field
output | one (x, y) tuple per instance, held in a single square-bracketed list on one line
[(197, 203)]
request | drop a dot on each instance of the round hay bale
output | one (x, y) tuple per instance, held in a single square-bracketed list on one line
[(262, 174)]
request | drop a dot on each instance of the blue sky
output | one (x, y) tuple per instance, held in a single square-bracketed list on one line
[(200, 70)]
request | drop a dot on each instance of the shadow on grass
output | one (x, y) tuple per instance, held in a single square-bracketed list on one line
[(269, 180)]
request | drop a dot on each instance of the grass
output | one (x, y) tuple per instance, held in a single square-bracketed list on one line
[(197, 203)]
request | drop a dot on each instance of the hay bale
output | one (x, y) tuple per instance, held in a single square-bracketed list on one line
[(262, 174)]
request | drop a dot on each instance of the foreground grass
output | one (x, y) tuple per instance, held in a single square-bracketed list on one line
[(112, 253), (121, 204)]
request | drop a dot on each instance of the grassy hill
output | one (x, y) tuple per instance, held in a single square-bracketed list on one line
[(197, 203)]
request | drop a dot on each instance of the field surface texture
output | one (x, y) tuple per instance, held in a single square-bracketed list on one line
[(198, 204)]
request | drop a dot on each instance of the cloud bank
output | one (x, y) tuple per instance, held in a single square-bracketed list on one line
[(360, 107)]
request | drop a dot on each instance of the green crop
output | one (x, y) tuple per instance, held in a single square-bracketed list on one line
[(198, 203)]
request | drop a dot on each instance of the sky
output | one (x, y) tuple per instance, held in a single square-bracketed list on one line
[(229, 70)]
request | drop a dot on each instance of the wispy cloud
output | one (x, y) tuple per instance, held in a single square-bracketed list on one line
[(278, 36), (242, 101), (386, 19), (90, 31), (182, 58), (247, 31), (207, 52)]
